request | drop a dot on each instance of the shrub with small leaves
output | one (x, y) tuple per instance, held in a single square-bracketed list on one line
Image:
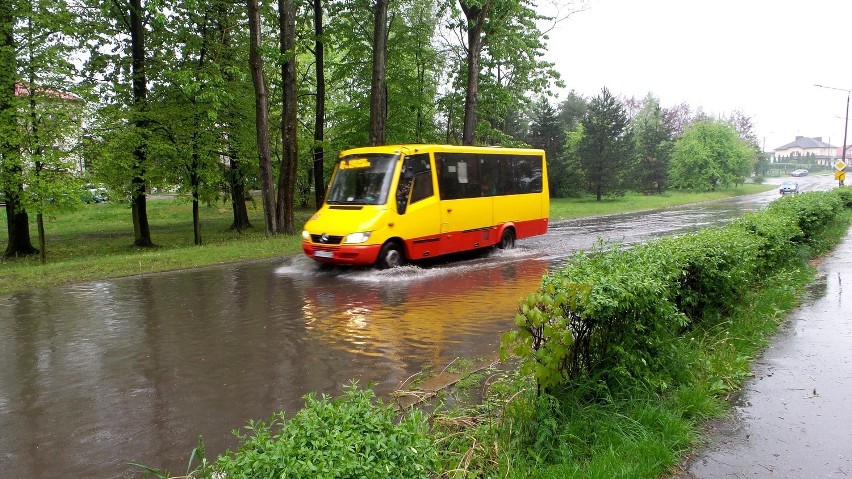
[(812, 211), (353, 436), (775, 235), (714, 268), (613, 315), (605, 315)]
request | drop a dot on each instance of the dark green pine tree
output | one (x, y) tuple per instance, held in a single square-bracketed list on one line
[(652, 140), (547, 133), (604, 150)]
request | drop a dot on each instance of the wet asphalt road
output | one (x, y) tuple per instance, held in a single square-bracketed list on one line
[(794, 418)]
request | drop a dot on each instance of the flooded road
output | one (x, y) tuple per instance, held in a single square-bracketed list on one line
[(96, 375)]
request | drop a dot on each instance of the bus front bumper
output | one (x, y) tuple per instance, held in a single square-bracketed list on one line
[(353, 255)]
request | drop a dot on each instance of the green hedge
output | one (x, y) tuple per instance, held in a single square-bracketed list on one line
[(612, 314)]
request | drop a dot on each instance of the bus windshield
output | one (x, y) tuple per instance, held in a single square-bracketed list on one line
[(362, 179)]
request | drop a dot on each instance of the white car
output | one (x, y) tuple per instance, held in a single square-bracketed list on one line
[(789, 188)]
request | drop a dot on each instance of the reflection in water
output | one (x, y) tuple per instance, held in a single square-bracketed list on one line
[(425, 316)]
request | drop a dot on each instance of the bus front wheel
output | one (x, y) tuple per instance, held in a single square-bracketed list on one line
[(507, 240), (391, 256)]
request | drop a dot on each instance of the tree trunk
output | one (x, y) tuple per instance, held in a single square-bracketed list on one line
[(17, 221), (18, 224), (236, 180), (195, 181), (289, 110), (319, 111), (475, 23), (42, 243), (238, 196), (138, 201), (261, 108), (378, 91)]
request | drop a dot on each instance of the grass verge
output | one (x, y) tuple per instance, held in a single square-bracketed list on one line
[(95, 241)]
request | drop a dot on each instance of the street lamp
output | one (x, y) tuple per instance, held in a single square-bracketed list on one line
[(845, 125)]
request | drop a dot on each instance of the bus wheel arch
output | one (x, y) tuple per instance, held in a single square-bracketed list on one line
[(507, 238), (392, 255)]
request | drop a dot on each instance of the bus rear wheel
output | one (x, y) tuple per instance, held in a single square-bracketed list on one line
[(507, 240), (390, 256)]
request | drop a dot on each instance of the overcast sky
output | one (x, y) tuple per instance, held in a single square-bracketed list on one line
[(761, 57)]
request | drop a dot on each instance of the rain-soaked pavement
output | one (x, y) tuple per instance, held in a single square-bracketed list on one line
[(96, 375), (793, 419)]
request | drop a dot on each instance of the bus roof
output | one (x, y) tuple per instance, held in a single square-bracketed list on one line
[(424, 148)]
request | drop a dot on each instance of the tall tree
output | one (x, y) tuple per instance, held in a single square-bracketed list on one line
[(604, 148), (502, 64), (547, 133), (652, 138), (118, 59), (187, 102), (138, 200), (227, 17), (378, 90), (475, 12), (17, 220), (289, 121), (261, 95), (52, 121), (709, 155), (319, 105)]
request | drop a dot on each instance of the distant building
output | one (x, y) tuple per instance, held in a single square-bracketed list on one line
[(806, 150), (51, 100)]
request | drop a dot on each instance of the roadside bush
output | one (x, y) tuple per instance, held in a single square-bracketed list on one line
[(812, 211), (775, 235), (845, 195), (615, 315), (713, 270), (347, 437), (605, 316)]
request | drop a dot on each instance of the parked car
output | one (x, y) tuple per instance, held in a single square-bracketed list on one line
[(789, 188), (799, 172), (94, 194)]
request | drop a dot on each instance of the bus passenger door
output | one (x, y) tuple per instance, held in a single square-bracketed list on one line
[(417, 205)]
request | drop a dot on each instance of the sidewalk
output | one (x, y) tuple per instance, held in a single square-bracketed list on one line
[(794, 418)]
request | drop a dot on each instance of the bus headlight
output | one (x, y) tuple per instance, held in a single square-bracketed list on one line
[(305, 235), (356, 238)]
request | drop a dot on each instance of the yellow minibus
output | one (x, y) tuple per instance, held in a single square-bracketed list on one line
[(387, 205)]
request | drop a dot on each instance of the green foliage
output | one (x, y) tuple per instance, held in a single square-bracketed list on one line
[(810, 210), (652, 144), (548, 134), (605, 145), (709, 155), (615, 316), (350, 436), (605, 315), (708, 271), (845, 195), (775, 235)]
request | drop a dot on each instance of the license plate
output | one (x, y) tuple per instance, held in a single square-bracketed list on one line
[(323, 254)]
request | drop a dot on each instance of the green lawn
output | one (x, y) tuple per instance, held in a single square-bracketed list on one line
[(95, 241)]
